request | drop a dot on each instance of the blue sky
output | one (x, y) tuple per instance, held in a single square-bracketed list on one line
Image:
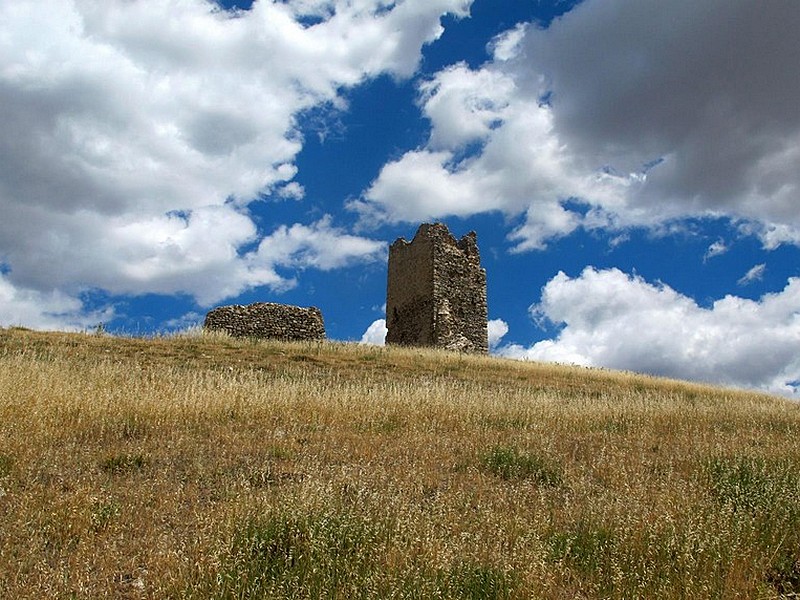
[(631, 168)]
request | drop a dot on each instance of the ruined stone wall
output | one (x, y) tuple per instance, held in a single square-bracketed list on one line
[(436, 292), (267, 320)]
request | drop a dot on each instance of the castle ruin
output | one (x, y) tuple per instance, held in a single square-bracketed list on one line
[(436, 292), (267, 320)]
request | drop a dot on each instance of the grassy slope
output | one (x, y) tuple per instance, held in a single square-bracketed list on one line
[(207, 467)]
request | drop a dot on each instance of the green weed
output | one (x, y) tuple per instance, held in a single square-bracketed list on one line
[(6, 464), (103, 512), (132, 428), (582, 547), (299, 557), (614, 426), (478, 582), (123, 463), (783, 574), (753, 484), (510, 464), (764, 497), (502, 423)]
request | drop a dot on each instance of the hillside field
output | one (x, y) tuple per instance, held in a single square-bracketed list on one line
[(198, 466)]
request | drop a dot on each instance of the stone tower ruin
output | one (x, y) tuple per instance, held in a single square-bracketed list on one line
[(436, 292)]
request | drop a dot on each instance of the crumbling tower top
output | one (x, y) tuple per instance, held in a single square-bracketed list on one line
[(436, 291)]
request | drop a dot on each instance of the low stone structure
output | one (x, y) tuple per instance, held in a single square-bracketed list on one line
[(267, 320), (436, 292)]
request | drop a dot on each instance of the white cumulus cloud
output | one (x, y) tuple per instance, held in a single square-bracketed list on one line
[(497, 329), (375, 334), (642, 111), (611, 319), (46, 309), (136, 134)]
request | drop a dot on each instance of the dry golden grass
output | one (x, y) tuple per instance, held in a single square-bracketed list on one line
[(201, 466)]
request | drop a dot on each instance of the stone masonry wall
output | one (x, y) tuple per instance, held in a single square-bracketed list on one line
[(436, 292), (267, 320)]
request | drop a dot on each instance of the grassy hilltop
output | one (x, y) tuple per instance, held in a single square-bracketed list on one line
[(205, 467)]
